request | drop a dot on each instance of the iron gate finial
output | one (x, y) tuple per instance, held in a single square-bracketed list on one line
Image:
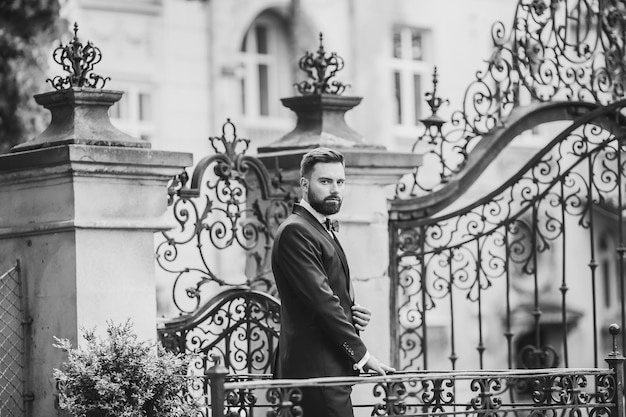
[(78, 61), (433, 100), (321, 68)]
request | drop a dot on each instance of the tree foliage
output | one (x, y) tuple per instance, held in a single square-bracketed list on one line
[(28, 29)]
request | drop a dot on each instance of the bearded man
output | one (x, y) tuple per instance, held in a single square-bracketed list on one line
[(320, 320)]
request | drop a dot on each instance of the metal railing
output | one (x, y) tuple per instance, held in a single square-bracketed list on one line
[(14, 389), (570, 391), (539, 392)]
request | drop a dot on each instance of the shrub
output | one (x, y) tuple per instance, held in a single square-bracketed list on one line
[(120, 376)]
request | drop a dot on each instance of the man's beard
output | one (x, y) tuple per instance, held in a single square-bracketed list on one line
[(328, 206)]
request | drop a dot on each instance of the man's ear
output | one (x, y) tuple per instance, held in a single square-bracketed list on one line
[(304, 183)]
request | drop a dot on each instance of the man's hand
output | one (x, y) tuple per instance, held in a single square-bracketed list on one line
[(361, 317), (374, 365)]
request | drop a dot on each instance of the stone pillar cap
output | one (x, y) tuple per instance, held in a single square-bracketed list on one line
[(320, 122), (80, 116)]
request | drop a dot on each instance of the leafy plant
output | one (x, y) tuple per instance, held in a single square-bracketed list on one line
[(119, 376)]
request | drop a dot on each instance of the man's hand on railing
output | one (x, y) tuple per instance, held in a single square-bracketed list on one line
[(380, 368), (361, 317)]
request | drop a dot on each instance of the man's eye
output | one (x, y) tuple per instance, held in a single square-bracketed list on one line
[(325, 182)]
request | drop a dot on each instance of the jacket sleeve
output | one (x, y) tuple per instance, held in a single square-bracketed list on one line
[(299, 256)]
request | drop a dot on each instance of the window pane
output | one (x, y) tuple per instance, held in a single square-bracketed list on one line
[(397, 43), (118, 110), (417, 89), (261, 39), (397, 96), (417, 52), (264, 108), (145, 107)]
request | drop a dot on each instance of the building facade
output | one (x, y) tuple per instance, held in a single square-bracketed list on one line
[(187, 66)]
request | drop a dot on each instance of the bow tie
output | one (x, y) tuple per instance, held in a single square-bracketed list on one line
[(332, 225)]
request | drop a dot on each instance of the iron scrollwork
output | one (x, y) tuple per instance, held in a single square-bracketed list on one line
[(438, 393), (506, 235), (555, 50), (488, 400), (239, 403), (238, 325), (559, 392), (285, 402), (230, 203), (78, 60), (393, 394), (321, 69)]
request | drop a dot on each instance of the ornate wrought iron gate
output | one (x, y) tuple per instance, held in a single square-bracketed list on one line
[(230, 203), (536, 261)]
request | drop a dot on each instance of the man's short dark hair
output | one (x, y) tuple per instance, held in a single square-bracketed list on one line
[(317, 155)]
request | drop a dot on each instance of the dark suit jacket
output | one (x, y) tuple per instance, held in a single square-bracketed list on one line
[(317, 336)]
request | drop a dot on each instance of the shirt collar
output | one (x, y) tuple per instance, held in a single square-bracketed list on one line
[(319, 216)]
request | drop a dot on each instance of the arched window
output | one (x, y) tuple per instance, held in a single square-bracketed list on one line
[(266, 76)]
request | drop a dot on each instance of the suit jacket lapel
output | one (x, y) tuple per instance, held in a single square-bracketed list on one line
[(320, 227), (342, 254), (344, 262)]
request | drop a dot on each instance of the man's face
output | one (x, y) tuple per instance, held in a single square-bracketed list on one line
[(324, 190)]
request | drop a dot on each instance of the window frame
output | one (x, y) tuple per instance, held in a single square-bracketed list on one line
[(126, 114), (408, 100), (254, 105)]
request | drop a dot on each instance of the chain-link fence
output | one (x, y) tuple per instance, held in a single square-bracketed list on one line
[(12, 344)]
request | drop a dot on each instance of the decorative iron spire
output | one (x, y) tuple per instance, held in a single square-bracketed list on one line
[(434, 102), (434, 122), (77, 60), (321, 69)]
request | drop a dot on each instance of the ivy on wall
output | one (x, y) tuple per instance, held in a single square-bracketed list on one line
[(29, 31)]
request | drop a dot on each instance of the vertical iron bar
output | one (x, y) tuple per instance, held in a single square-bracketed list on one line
[(481, 346), (620, 247), (593, 264), (621, 81), (564, 288), (537, 310), (423, 283), (248, 318), (394, 320), (441, 160), (615, 361), (453, 356), (576, 26), (508, 333)]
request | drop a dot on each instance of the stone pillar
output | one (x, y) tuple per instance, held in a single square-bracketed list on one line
[(79, 206), (372, 173)]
